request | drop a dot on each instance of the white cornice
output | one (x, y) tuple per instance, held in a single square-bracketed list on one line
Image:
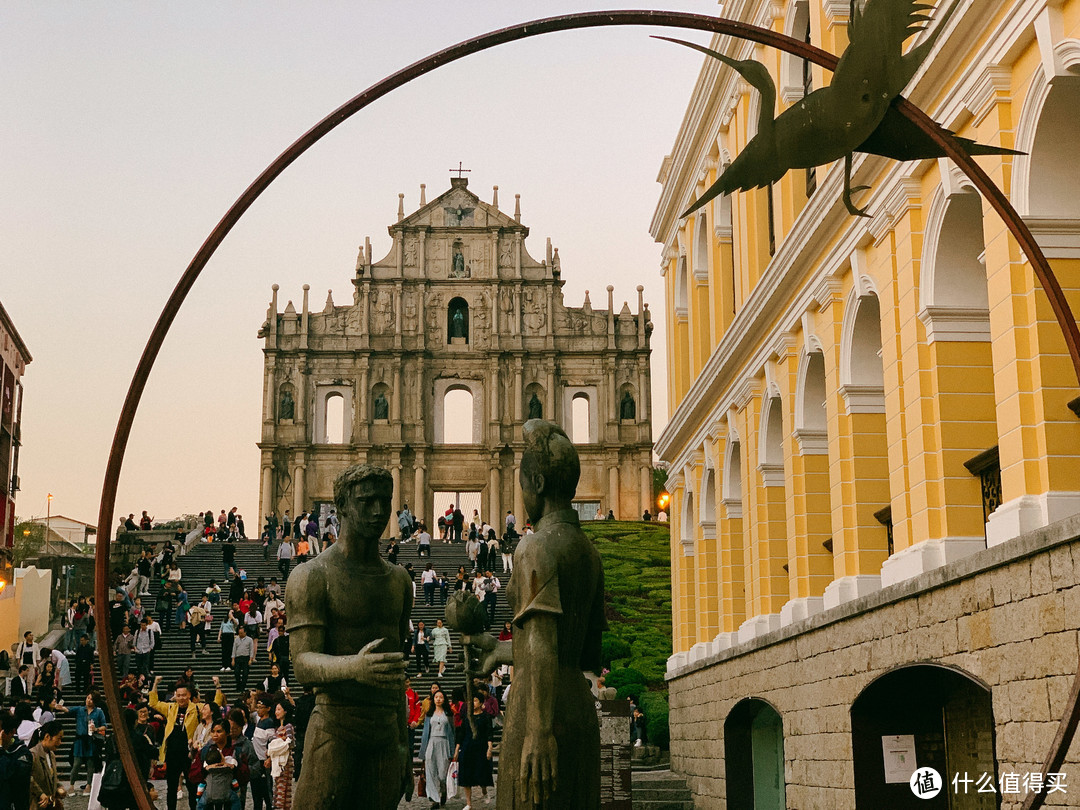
[(990, 88)]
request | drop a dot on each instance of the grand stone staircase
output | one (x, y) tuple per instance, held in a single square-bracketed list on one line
[(204, 562)]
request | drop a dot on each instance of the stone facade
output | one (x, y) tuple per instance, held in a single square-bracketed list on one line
[(14, 357), (457, 304), (1006, 616)]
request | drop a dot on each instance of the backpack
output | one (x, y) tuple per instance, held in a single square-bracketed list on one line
[(218, 784), (114, 788)]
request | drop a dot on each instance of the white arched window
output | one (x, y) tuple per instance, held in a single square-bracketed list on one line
[(458, 416), (580, 419), (334, 419)]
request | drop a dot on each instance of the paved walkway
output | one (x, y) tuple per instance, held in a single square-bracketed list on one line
[(80, 802)]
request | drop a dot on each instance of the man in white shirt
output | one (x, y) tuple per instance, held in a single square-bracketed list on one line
[(510, 519), (423, 542), (155, 629)]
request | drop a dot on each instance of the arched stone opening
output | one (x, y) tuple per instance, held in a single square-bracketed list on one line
[(923, 715), (457, 405), (580, 408), (754, 757), (457, 321), (334, 418)]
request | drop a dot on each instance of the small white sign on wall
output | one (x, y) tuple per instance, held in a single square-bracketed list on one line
[(899, 753)]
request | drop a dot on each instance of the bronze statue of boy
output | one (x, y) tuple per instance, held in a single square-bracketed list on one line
[(550, 753), (348, 611)]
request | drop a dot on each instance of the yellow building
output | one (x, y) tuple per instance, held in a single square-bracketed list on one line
[(871, 427)]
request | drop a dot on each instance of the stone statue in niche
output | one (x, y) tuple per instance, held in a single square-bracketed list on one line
[(536, 407), (550, 754), (458, 268), (457, 323), (348, 609), (627, 408), (382, 407), (287, 408)]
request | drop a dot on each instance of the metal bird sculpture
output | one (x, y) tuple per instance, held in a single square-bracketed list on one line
[(855, 113)]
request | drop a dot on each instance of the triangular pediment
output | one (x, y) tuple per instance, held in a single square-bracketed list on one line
[(458, 208)]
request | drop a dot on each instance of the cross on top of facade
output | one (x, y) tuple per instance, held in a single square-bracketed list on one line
[(460, 170)]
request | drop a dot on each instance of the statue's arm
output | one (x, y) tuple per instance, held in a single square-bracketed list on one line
[(539, 645)]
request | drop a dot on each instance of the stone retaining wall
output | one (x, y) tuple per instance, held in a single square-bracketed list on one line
[(1007, 616)]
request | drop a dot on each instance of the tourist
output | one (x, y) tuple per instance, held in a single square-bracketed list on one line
[(16, 762), (481, 551), (187, 680), (253, 620), (510, 521), (274, 682), (284, 557), (282, 756), (423, 542), (302, 548), (392, 551), (436, 743), (405, 523), (311, 534), (200, 618), (243, 749), (226, 637), (181, 720), (243, 656), (661, 516), (472, 549), (84, 662), (90, 726), (599, 513), (610, 514), (458, 523), (146, 523), (461, 580), (279, 650), (506, 549), (45, 790), (646, 517), (264, 731), (420, 649), (219, 785), (217, 749), (474, 751), (440, 638), (145, 567), (490, 588), (123, 648), (143, 646), (444, 586), (639, 735), (427, 578), (130, 524)]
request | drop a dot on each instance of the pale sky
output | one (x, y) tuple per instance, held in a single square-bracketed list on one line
[(128, 130)]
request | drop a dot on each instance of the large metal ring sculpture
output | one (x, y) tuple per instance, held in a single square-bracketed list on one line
[(594, 19)]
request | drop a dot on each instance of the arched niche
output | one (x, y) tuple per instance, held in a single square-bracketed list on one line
[(771, 442), (754, 757), (701, 248), (457, 321), (535, 397), (627, 403), (286, 402), (795, 73), (947, 714), (811, 418), (862, 375), (688, 523), (682, 289), (952, 286), (380, 402), (708, 498), (731, 483)]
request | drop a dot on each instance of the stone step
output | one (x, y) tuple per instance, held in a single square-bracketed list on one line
[(660, 790)]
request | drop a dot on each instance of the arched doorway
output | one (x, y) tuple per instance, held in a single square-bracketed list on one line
[(944, 716), (754, 757)]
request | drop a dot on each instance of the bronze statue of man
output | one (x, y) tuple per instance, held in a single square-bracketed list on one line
[(550, 754), (348, 611)]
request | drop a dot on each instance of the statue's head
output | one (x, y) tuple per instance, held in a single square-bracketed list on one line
[(363, 494), (550, 468)]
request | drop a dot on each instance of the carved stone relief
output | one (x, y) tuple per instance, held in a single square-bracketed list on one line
[(410, 315), (535, 317)]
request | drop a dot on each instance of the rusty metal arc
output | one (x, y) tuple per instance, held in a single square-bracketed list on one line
[(568, 22)]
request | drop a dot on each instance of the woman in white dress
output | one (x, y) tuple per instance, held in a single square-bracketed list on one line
[(436, 743), (440, 639)]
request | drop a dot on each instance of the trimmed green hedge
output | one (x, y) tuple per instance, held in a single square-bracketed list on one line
[(637, 643)]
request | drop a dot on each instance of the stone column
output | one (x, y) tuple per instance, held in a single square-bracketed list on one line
[(518, 393), (397, 314), (298, 489), (267, 493), (613, 489), (643, 395), (519, 500), (395, 412), (494, 501), (360, 429), (420, 504), (550, 413), (395, 473), (646, 490)]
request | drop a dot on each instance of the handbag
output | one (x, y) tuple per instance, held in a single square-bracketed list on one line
[(421, 783), (451, 780)]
